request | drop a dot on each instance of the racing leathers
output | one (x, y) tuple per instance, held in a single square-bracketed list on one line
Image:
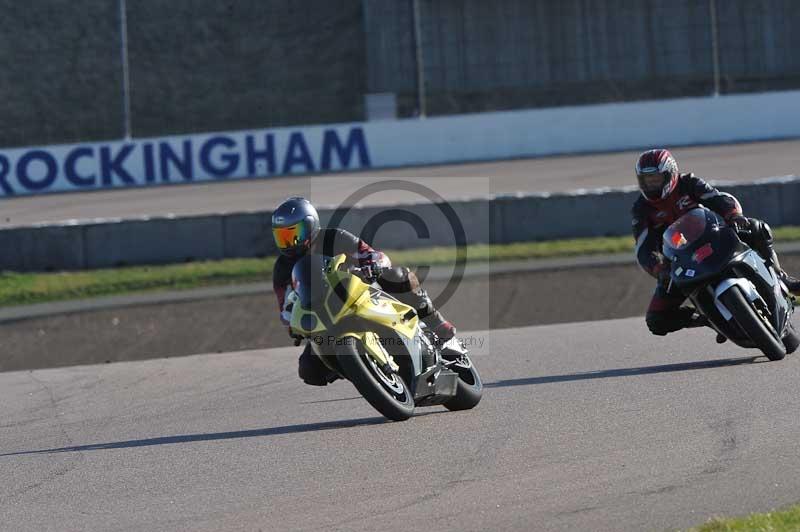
[(401, 282), (652, 217)]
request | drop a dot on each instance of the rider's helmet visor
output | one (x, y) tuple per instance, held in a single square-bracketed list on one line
[(652, 183), (289, 238)]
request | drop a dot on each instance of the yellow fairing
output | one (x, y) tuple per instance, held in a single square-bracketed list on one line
[(348, 295), (347, 291), (297, 321), (374, 348), (389, 313), (354, 297), (337, 262)]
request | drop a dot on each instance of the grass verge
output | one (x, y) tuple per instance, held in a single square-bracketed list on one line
[(28, 288), (777, 521)]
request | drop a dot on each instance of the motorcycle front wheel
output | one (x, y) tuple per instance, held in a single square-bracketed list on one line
[(745, 315), (386, 391)]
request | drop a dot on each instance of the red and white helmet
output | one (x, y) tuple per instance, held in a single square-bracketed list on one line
[(657, 174)]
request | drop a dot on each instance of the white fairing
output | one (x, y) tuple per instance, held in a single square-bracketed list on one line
[(744, 284), (768, 274), (753, 259)]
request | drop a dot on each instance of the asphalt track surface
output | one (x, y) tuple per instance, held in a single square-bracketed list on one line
[(588, 426), (724, 163)]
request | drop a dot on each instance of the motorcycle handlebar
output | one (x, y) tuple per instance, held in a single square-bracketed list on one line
[(369, 272)]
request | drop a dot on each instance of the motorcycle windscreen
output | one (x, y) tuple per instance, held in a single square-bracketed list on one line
[(309, 282), (684, 232), (699, 246)]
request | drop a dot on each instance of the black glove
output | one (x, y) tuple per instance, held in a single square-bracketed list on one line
[(372, 265), (370, 271), (661, 263), (740, 223)]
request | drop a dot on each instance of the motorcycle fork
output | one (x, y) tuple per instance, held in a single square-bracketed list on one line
[(763, 305), (759, 305), (716, 320), (375, 350)]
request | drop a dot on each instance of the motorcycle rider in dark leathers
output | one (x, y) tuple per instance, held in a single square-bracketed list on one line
[(296, 230), (666, 196)]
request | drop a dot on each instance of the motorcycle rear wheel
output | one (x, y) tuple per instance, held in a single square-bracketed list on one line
[(469, 389), (387, 393), (791, 341), (745, 315)]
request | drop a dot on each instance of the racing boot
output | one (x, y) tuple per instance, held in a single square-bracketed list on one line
[(768, 254), (760, 238), (697, 320), (791, 282), (665, 322), (313, 371), (694, 319), (443, 329)]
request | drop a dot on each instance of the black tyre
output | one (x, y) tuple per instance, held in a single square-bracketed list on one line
[(791, 341), (387, 393), (469, 389), (745, 315)]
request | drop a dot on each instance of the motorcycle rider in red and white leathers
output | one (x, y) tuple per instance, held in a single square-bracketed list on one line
[(296, 230), (666, 196)]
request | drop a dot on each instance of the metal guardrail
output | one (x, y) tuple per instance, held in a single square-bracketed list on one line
[(500, 219)]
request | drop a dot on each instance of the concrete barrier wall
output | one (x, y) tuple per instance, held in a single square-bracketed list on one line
[(154, 241), (57, 247), (502, 219)]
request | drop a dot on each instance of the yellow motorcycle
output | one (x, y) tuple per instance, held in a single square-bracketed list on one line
[(376, 342)]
